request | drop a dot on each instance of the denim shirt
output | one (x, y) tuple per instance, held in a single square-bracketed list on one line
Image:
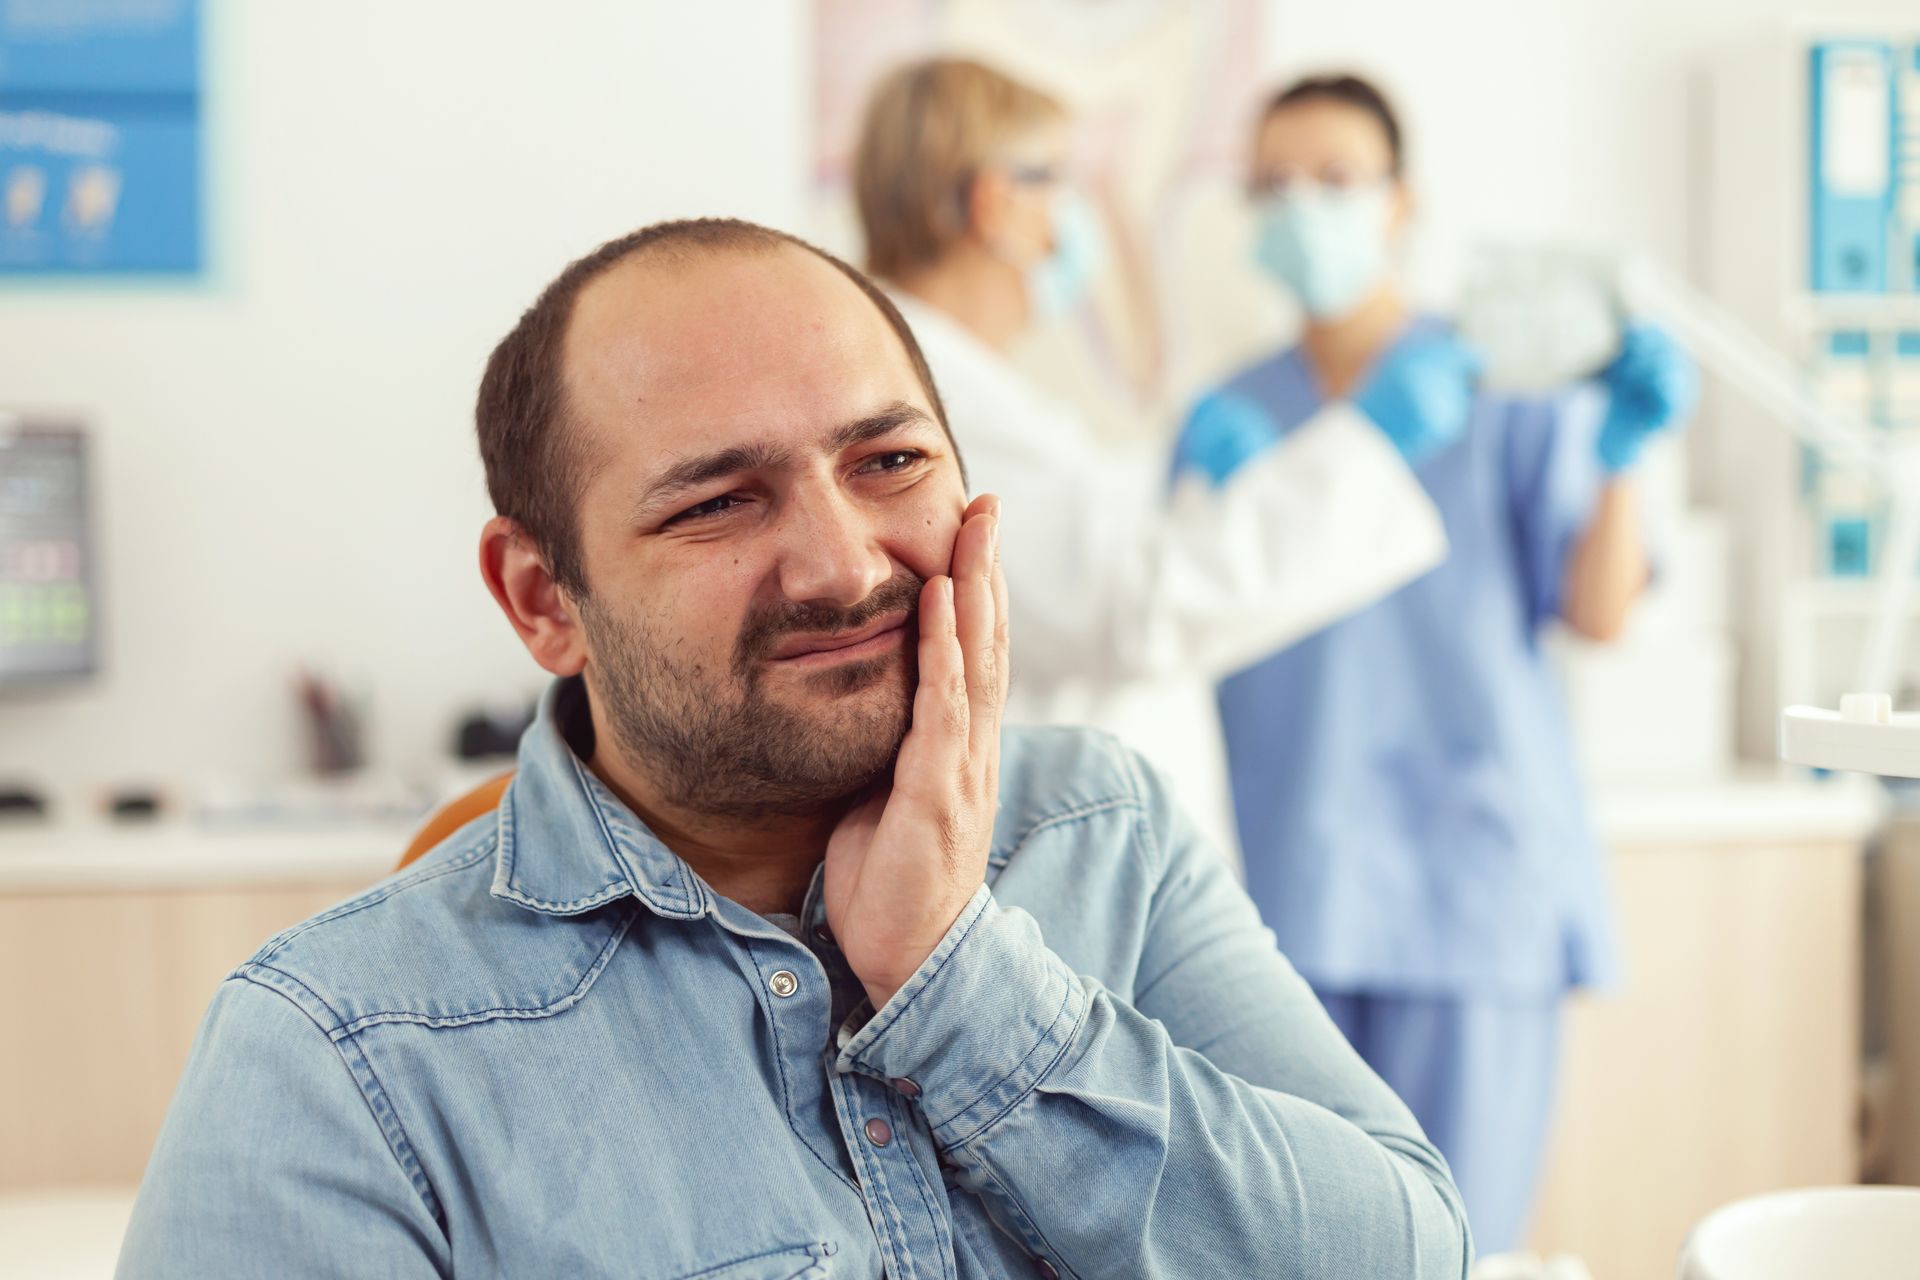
[(549, 1048)]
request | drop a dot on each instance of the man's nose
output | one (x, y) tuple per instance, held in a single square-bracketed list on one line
[(831, 553)]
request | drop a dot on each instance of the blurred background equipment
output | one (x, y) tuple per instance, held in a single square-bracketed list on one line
[(492, 732), (1814, 247), (48, 610), (333, 725)]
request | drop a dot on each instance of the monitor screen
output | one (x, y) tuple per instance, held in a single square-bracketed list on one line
[(47, 606)]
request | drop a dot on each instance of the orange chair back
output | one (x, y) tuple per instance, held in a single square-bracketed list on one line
[(455, 814)]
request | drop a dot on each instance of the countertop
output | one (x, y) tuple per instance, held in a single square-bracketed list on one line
[(1762, 806), (84, 856), (1757, 805)]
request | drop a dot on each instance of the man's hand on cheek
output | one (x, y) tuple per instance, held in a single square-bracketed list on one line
[(901, 866)]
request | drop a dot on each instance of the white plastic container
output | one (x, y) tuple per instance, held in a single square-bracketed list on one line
[(1860, 1233)]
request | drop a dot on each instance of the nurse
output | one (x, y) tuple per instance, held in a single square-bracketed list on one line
[(1408, 804), (1128, 603)]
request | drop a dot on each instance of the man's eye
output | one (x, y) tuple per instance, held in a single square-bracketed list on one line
[(711, 507), (892, 460)]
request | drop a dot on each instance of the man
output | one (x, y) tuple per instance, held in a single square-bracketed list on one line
[(628, 1025)]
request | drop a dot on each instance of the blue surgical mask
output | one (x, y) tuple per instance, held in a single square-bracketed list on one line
[(1061, 279), (1328, 245)]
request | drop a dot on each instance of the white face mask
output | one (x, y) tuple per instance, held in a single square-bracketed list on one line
[(1327, 244), (1062, 278)]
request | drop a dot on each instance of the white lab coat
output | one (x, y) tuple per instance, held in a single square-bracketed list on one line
[(1128, 603)]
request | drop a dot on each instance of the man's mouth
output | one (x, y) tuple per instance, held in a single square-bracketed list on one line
[(884, 634)]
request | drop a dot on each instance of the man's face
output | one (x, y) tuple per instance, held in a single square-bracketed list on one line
[(767, 489)]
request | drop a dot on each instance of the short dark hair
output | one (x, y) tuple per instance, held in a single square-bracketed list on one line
[(1352, 91), (529, 443)]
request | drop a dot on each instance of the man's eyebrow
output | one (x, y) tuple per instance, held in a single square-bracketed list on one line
[(892, 418), (691, 473)]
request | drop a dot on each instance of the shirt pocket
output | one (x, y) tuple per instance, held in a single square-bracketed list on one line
[(796, 1262)]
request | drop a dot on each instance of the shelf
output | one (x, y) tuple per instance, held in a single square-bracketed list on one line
[(1845, 597), (1822, 739)]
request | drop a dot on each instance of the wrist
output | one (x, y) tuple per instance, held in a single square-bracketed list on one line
[(979, 1023), (1619, 446), (883, 970)]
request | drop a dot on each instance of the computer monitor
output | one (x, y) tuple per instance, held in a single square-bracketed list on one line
[(48, 612)]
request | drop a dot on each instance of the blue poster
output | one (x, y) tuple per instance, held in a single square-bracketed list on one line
[(100, 137)]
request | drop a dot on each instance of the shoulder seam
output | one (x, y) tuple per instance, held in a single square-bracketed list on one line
[(373, 897)]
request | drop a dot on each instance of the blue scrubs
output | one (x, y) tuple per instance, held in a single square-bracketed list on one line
[(1407, 796)]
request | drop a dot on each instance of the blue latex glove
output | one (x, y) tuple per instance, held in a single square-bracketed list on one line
[(1650, 385), (1421, 394), (1224, 432)]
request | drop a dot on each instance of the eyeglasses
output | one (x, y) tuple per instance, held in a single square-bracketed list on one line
[(1036, 175), (1279, 182), (1024, 175)]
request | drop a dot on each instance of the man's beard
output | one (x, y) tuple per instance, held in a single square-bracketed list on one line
[(724, 746)]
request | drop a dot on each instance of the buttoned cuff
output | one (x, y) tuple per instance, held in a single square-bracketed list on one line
[(981, 1022)]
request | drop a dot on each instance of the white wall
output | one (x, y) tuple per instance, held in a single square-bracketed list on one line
[(287, 471)]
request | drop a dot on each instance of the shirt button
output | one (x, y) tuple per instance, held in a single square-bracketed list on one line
[(879, 1132), (906, 1088), (783, 983), (1045, 1269)]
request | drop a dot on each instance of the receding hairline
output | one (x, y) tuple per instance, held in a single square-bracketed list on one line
[(682, 256)]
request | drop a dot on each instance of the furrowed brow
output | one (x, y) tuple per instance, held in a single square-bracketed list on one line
[(701, 469), (895, 416), (691, 473)]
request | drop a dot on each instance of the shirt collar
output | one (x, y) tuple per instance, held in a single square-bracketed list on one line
[(566, 843)]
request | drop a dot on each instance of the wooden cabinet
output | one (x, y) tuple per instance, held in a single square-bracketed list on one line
[(1729, 1061), (112, 942), (100, 996)]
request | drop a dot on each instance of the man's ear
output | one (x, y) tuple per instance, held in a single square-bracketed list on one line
[(539, 610)]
